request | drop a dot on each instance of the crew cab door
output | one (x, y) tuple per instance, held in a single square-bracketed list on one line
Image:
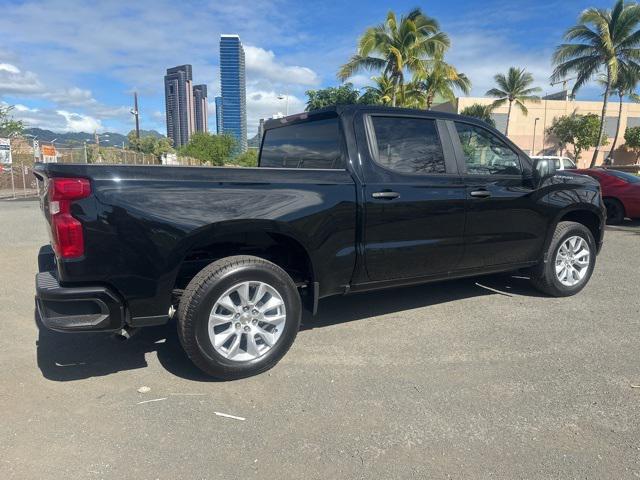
[(504, 224), (414, 200)]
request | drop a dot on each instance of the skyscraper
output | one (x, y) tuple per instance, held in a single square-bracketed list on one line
[(232, 83), (178, 95), (200, 107), (219, 128)]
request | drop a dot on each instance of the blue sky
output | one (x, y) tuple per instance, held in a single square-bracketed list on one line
[(73, 65)]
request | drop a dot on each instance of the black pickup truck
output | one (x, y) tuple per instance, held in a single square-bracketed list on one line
[(345, 200)]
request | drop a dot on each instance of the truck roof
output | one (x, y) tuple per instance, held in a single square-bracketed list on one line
[(339, 109)]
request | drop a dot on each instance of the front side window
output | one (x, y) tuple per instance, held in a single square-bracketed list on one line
[(485, 153), (313, 144), (408, 145)]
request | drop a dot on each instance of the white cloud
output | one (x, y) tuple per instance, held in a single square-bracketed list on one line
[(7, 67), (131, 45), (265, 104), (263, 63), (482, 56), (15, 82), (55, 120), (77, 122), (82, 98)]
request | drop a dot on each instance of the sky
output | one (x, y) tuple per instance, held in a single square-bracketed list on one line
[(73, 65)]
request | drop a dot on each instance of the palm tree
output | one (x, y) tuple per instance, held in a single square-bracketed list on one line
[(605, 40), (515, 87), (394, 48), (626, 84), (441, 79), (382, 90), (481, 112)]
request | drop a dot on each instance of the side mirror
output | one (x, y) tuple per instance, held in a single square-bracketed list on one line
[(542, 169)]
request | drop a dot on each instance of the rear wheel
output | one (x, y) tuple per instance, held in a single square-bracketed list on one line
[(571, 258), (238, 317), (615, 211)]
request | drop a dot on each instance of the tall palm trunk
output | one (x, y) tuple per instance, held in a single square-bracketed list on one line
[(395, 90), (605, 103), (615, 139), (430, 98), (506, 130)]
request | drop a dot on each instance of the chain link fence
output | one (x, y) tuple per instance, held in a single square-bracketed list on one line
[(17, 179)]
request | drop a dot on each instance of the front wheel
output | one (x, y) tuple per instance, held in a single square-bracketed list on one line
[(238, 317), (615, 211), (571, 257)]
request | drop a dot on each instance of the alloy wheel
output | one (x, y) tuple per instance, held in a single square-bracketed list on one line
[(246, 321)]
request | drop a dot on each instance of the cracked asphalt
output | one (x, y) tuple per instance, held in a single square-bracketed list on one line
[(480, 378)]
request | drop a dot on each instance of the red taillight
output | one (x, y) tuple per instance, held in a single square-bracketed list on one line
[(66, 231)]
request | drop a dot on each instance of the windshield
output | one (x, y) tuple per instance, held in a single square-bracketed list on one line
[(627, 177)]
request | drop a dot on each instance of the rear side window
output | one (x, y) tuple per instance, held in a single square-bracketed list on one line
[(408, 145), (314, 144)]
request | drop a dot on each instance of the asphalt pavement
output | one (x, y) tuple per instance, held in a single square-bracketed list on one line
[(480, 378)]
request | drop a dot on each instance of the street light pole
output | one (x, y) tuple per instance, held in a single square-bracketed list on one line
[(286, 98), (136, 113), (533, 146)]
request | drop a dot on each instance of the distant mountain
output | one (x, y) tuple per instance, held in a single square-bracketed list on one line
[(78, 138)]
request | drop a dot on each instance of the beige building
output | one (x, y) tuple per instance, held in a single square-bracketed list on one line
[(531, 136)]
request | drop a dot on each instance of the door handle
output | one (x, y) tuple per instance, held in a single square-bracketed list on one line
[(480, 193), (385, 195)]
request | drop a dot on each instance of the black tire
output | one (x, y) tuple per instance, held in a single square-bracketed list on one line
[(615, 211), (201, 295), (544, 278)]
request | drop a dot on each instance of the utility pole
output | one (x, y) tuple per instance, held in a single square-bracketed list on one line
[(135, 112)]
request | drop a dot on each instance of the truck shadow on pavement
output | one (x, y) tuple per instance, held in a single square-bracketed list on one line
[(628, 226), (67, 357)]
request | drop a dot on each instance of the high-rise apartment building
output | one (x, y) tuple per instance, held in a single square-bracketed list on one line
[(219, 128), (200, 108), (178, 95), (232, 83)]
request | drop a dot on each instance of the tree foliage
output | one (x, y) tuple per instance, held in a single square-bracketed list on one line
[(9, 126), (514, 87), (149, 144), (481, 112), (440, 79), (246, 159), (580, 131), (208, 148), (632, 140), (396, 47), (343, 95), (602, 40), (626, 84)]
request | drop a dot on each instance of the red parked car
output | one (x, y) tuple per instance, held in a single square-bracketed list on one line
[(620, 192)]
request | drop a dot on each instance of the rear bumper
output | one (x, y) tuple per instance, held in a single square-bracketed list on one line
[(76, 309)]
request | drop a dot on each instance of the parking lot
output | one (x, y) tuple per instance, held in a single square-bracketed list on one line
[(481, 378)]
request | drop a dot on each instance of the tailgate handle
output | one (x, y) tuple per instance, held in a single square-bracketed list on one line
[(386, 195)]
